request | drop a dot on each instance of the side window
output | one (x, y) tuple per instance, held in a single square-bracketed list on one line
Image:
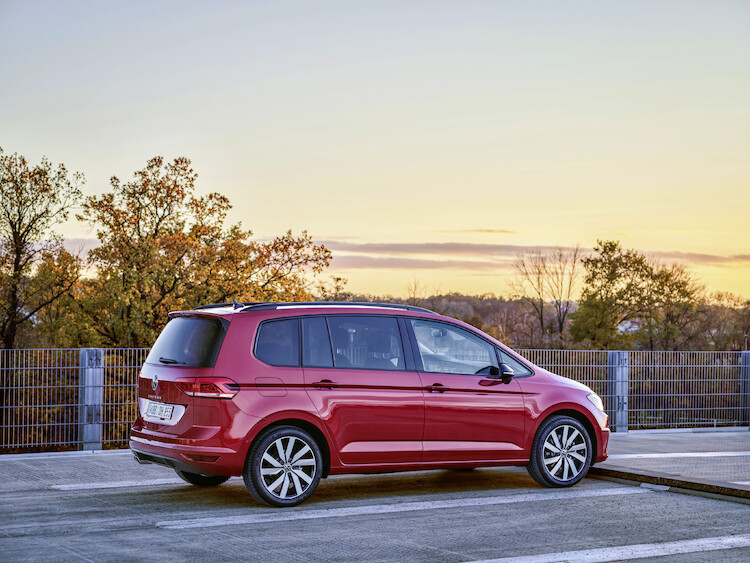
[(278, 343), (316, 344), (368, 342), (451, 349), (518, 367)]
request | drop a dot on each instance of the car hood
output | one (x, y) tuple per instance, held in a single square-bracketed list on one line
[(570, 382)]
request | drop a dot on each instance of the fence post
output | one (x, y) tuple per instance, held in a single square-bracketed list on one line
[(745, 386), (90, 398), (618, 374)]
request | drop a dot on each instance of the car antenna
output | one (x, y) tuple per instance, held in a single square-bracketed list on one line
[(237, 305)]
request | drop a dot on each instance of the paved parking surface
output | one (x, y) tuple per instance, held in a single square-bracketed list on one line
[(107, 507), (718, 456)]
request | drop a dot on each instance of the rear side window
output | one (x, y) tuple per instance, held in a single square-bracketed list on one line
[(367, 342), (316, 344), (188, 341), (278, 343)]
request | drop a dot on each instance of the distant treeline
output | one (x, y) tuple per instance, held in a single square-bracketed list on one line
[(626, 303), (162, 248), (716, 324)]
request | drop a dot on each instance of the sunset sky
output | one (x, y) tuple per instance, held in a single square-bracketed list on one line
[(419, 140)]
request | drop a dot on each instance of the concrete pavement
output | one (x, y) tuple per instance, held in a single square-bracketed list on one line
[(101, 507), (707, 461)]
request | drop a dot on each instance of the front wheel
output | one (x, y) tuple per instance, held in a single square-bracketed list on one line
[(201, 480), (561, 453), (284, 467)]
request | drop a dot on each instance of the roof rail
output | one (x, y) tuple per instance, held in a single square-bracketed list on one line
[(217, 305), (259, 306), (262, 306)]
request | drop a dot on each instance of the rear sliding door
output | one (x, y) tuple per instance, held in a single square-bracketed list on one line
[(357, 376)]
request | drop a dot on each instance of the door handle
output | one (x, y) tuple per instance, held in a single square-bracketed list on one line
[(325, 384), (437, 388)]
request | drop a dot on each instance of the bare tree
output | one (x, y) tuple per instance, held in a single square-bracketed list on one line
[(547, 282), (530, 285), (415, 292), (562, 276)]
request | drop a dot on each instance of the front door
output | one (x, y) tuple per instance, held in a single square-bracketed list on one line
[(469, 416)]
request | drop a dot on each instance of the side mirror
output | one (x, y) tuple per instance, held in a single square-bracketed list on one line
[(506, 373), (490, 371)]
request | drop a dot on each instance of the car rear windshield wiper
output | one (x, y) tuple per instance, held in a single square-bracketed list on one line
[(169, 361)]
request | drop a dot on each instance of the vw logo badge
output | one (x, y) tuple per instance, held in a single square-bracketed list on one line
[(154, 383)]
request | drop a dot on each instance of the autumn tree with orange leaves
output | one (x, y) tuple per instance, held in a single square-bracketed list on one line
[(163, 248), (35, 269)]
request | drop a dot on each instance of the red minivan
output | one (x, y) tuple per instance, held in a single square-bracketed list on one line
[(285, 394)]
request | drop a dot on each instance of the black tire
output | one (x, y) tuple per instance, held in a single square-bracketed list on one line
[(201, 480), (566, 466), (278, 479)]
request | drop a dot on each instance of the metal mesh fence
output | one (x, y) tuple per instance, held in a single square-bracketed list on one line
[(39, 407), (664, 389), (46, 394), (686, 389), (42, 406), (120, 405)]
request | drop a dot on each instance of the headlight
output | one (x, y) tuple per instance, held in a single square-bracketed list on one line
[(596, 400)]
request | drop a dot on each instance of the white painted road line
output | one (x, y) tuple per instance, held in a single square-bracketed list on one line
[(638, 551), (289, 515), (116, 484), (680, 454)]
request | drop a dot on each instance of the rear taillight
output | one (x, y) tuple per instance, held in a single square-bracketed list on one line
[(212, 387)]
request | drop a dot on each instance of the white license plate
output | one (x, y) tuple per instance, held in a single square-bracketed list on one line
[(159, 410)]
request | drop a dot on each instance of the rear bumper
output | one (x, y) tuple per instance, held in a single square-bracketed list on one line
[(212, 438), (145, 458), (186, 454)]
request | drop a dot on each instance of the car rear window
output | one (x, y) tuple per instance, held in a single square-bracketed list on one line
[(188, 341)]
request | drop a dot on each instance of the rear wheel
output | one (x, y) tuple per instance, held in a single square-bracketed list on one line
[(284, 467), (561, 453), (201, 480)]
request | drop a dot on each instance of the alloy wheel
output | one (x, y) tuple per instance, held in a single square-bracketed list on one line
[(287, 467), (565, 452)]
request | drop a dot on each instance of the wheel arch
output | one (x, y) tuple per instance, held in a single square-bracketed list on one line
[(308, 426), (577, 415)]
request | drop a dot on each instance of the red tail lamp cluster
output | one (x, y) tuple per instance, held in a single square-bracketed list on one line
[(212, 387)]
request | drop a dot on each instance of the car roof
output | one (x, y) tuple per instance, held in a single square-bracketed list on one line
[(227, 310)]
